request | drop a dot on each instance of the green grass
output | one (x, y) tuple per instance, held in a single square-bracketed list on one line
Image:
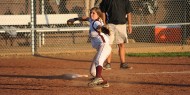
[(169, 54)]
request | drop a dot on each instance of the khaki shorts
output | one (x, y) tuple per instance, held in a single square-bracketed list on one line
[(118, 34)]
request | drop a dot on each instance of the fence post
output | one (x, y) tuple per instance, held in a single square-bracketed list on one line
[(92, 3), (41, 35), (87, 7), (33, 26)]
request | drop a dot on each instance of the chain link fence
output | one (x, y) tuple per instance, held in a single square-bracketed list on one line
[(158, 26)]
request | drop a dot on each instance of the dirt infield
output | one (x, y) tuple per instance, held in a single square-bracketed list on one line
[(43, 75)]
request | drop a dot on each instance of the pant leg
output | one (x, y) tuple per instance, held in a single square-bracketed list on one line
[(93, 67), (101, 55)]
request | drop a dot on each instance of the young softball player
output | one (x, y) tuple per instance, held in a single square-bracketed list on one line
[(100, 41)]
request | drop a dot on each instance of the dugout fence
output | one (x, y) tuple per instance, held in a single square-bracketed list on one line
[(158, 26)]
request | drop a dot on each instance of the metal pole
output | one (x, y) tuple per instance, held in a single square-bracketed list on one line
[(26, 6), (33, 26), (43, 40), (92, 3), (184, 32), (87, 7), (41, 35)]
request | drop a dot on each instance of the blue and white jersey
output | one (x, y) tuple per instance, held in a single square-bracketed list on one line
[(97, 38)]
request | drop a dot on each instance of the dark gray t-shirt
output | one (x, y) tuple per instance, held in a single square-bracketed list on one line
[(117, 10)]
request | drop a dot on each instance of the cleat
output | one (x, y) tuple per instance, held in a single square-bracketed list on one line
[(95, 82), (125, 66), (105, 85), (107, 67)]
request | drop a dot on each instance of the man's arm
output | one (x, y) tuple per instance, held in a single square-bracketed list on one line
[(104, 18), (103, 9), (129, 18)]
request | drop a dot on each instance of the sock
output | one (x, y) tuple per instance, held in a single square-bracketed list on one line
[(99, 71)]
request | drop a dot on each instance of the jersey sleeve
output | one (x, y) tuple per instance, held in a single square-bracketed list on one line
[(96, 24), (90, 20), (128, 7)]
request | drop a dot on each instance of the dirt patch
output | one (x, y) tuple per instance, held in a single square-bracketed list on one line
[(43, 75)]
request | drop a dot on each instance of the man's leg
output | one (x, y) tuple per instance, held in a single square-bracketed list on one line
[(122, 52), (109, 57)]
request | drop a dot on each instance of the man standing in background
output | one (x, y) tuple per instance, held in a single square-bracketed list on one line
[(117, 11)]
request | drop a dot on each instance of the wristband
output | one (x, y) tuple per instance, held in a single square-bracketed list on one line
[(76, 18)]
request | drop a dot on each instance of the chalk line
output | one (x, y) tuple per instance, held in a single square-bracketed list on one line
[(151, 73)]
